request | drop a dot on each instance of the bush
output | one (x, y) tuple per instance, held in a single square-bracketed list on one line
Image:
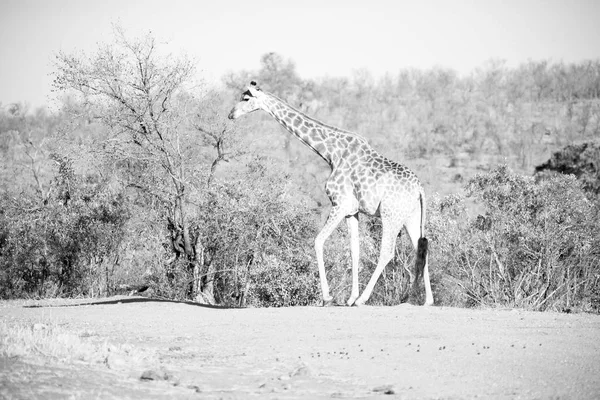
[(534, 247), (280, 283), (258, 241), (581, 160), (65, 246)]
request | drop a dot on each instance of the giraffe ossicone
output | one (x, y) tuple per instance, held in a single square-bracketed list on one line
[(361, 180)]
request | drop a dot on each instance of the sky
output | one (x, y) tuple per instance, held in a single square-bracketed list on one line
[(322, 37)]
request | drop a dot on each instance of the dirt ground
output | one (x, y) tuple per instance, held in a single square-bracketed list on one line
[(181, 350)]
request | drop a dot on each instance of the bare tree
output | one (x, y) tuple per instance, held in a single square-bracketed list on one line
[(218, 132), (146, 98)]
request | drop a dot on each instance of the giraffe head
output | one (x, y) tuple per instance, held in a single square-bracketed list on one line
[(250, 101)]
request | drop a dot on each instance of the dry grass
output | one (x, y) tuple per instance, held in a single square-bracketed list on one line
[(50, 342)]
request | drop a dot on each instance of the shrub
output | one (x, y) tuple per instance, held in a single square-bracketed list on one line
[(581, 160), (534, 247), (280, 283), (64, 247), (259, 241)]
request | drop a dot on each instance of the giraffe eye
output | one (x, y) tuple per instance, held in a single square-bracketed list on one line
[(246, 96)]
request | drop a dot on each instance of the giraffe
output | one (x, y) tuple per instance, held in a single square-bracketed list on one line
[(361, 180)]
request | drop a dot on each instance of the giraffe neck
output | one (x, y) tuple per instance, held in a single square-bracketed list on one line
[(322, 139)]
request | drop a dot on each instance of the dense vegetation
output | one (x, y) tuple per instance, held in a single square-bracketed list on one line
[(141, 181)]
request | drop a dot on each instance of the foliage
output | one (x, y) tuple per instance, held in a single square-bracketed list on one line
[(535, 247), (25, 148), (259, 241), (581, 160), (159, 131), (135, 91), (65, 246)]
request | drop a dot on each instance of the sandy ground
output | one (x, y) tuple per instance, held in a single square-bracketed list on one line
[(180, 350)]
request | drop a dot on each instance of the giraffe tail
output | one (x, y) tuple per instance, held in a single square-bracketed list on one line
[(422, 245), (421, 258)]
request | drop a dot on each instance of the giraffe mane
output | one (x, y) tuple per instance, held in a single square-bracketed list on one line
[(315, 120)]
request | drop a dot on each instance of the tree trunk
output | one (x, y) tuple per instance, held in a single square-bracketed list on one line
[(208, 290), (187, 241), (244, 296), (203, 286), (198, 264), (186, 248)]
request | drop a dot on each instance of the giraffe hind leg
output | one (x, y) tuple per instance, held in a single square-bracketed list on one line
[(386, 253), (352, 222)]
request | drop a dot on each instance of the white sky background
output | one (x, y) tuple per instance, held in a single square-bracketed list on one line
[(323, 38)]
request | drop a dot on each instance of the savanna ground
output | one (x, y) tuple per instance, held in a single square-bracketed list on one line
[(134, 347)]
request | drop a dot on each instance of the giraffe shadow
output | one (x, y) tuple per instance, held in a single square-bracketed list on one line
[(126, 300)]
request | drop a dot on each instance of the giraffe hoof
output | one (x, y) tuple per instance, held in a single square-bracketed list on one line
[(358, 303), (351, 301), (328, 302)]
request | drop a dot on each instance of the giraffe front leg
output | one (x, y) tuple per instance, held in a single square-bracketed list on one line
[(335, 217), (352, 222)]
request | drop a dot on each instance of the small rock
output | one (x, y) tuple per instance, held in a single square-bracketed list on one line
[(385, 389), (195, 388), (151, 375)]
